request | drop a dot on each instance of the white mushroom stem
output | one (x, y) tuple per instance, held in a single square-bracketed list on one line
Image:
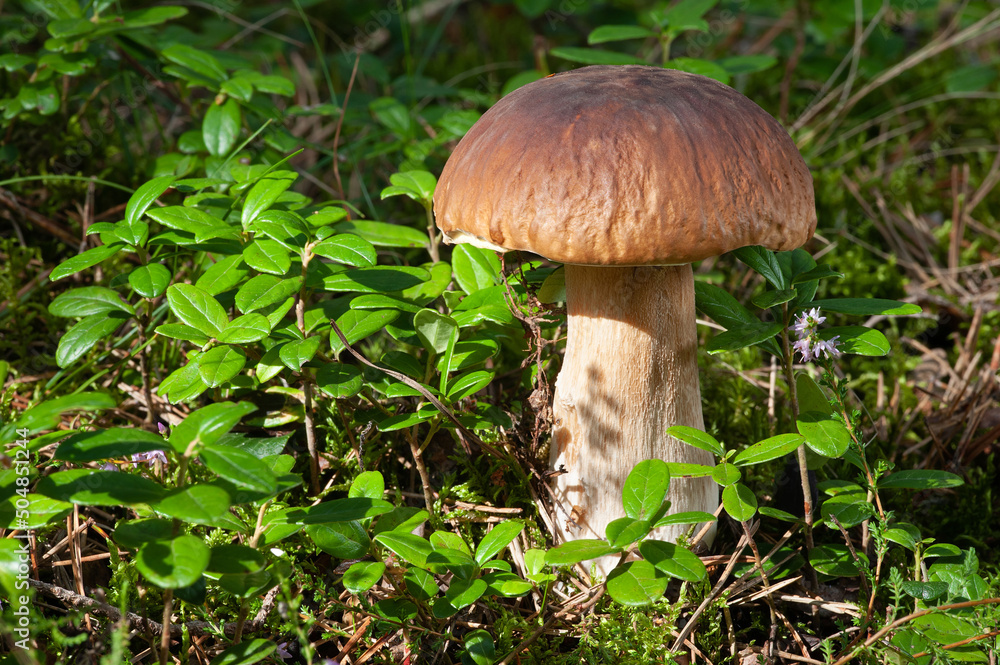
[(630, 372)]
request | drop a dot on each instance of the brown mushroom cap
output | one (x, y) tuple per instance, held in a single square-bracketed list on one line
[(626, 166)]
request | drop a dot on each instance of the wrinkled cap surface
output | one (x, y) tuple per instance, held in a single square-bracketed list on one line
[(628, 165)]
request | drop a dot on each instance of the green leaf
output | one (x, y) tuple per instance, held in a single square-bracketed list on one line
[(265, 290), (393, 115), (468, 384), (198, 504), (576, 551), (418, 185), (344, 540), (297, 353), (769, 449), (234, 559), (108, 443), (244, 329), (134, 533), (187, 219), (363, 575), (697, 438), (207, 425), (150, 281), (220, 364), (88, 300), (811, 396), (382, 234), (626, 530), (834, 560), (377, 279), (858, 340), (357, 324), (221, 127), (593, 56), (688, 517), (764, 262), (479, 648), (925, 591), (87, 259), (673, 560), (825, 434), (770, 299), (368, 484), (635, 584), (505, 583), (739, 501), (241, 469), (819, 272), (849, 509), (141, 18), (144, 197), (410, 548), (338, 380), (182, 332), (338, 510), (475, 268), (614, 33), (267, 256), (866, 306), (903, 534), (262, 196), (726, 474), (199, 61), (645, 488), (747, 64), (175, 563), (85, 335), (197, 309), (745, 335), (687, 15), (497, 539), (348, 249), (436, 331), (88, 487), (919, 479), (246, 653)]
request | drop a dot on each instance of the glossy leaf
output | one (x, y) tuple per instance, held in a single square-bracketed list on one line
[(150, 281), (144, 197), (197, 309), (739, 502), (208, 424), (576, 551), (645, 488), (764, 262), (241, 469), (363, 575), (88, 300), (475, 268), (108, 443), (262, 196), (368, 484), (220, 364), (593, 56), (357, 324), (614, 33), (858, 340), (244, 329), (298, 352), (221, 127), (697, 438), (345, 540), (769, 449), (267, 256), (497, 539), (265, 290), (85, 335), (920, 479), (338, 380), (348, 249), (824, 434), (866, 306), (88, 487), (382, 234), (185, 218), (200, 503), (174, 563), (435, 330), (636, 583), (85, 260)]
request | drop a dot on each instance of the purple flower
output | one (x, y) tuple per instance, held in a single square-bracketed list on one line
[(108, 466), (283, 652), (808, 344), (162, 428), (150, 458)]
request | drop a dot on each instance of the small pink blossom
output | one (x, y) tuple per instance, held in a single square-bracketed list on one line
[(150, 458)]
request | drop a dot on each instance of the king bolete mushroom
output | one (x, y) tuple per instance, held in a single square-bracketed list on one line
[(626, 175)]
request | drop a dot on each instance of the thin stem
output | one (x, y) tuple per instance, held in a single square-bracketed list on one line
[(168, 608), (418, 461), (807, 507), (432, 247)]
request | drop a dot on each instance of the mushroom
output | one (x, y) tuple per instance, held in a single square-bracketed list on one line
[(627, 175)]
